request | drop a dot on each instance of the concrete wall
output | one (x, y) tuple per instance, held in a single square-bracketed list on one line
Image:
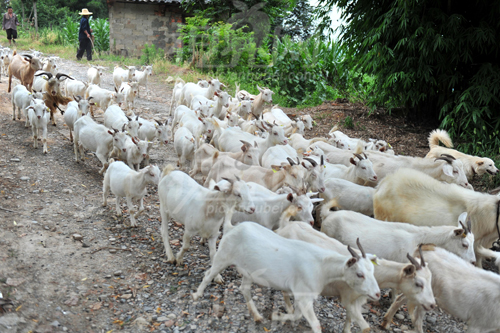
[(131, 25)]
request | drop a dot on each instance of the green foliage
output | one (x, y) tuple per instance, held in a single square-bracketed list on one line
[(302, 71), (219, 47), (298, 23), (100, 28), (438, 59), (54, 12), (348, 123), (70, 32), (151, 54)]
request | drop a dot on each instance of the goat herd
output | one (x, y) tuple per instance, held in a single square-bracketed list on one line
[(258, 167)]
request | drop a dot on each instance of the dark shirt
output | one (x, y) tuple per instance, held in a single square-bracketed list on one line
[(84, 26), (10, 22)]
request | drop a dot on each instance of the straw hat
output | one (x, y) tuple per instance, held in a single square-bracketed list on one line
[(85, 11)]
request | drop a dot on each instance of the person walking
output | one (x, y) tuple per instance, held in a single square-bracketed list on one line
[(85, 35), (10, 24)]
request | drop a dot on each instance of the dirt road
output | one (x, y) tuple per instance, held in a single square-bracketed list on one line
[(69, 265)]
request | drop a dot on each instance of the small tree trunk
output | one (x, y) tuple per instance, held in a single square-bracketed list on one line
[(22, 9), (36, 19)]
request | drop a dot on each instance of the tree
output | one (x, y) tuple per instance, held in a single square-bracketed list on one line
[(260, 16), (298, 24), (439, 59), (54, 12)]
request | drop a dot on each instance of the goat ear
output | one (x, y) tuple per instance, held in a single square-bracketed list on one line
[(459, 232), (352, 161), (289, 197), (448, 170), (351, 262), (276, 167), (409, 270)]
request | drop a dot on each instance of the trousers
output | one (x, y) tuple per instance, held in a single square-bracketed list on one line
[(85, 45)]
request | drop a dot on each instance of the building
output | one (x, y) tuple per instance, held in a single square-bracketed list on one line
[(133, 23)]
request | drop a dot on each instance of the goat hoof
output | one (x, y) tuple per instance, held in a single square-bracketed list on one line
[(384, 324)]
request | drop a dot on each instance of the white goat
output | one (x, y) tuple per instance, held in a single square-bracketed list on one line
[(230, 138), (269, 206), (360, 172), (21, 99), (129, 90), (38, 118), (413, 280), (77, 108), (472, 164), (287, 174), (200, 210), (462, 290), (401, 196), (203, 157), (190, 89), (95, 137), (298, 142), (74, 88), (94, 74), (349, 196), (123, 75), (115, 118), (141, 76), (399, 238), (103, 98), (258, 254), (184, 145), (125, 182)]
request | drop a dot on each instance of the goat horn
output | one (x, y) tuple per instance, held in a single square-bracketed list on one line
[(310, 160), (298, 161), (363, 253), (29, 56), (90, 98), (444, 158), (248, 144), (290, 161), (358, 156), (77, 98), (59, 75), (353, 253), (463, 227), (159, 123), (448, 155), (49, 74), (413, 261), (366, 157), (322, 160), (421, 255), (228, 179), (469, 225)]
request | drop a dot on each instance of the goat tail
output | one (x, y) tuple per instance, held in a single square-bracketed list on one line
[(179, 80), (439, 135), (360, 147), (168, 169), (328, 207), (334, 128)]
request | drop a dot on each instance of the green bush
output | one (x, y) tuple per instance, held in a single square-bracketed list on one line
[(100, 28), (150, 54), (70, 32)]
